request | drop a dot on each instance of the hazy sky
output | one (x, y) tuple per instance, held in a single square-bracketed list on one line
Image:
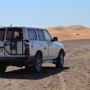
[(44, 13)]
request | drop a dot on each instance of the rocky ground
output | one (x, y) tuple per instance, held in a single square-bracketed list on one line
[(74, 76)]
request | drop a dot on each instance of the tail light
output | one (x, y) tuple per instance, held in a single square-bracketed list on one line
[(26, 49)]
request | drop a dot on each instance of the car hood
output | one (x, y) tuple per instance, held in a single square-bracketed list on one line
[(58, 44)]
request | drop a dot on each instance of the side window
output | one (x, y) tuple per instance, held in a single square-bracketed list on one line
[(47, 36), (32, 34), (2, 34), (41, 35)]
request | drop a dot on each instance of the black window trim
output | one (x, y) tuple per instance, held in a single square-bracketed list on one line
[(38, 34)]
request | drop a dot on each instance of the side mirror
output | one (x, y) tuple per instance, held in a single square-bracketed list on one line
[(55, 39)]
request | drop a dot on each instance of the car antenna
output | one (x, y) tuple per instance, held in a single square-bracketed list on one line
[(11, 25)]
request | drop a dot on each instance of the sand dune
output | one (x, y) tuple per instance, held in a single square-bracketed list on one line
[(70, 32), (77, 27)]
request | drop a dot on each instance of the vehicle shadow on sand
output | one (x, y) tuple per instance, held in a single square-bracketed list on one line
[(23, 74)]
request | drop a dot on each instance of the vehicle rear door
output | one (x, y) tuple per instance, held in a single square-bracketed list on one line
[(14, 42)]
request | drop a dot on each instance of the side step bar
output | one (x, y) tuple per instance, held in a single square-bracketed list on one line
[(49, 61)]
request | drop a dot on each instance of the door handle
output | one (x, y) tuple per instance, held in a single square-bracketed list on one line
[(45, 48)]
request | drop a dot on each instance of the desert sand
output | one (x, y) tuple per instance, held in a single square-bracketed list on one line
[(74, 76), (70, 32)]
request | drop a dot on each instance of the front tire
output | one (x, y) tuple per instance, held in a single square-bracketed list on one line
[(60, 60)]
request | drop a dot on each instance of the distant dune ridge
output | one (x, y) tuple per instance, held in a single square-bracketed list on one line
[(70, 32), (73, 32)]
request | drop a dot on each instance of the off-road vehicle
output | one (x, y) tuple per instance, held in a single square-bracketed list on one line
[(29, 47)]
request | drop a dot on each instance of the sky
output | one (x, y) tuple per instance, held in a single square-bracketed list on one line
[(44, 13)]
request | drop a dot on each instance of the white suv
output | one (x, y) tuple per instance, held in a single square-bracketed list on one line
[(29, 47)]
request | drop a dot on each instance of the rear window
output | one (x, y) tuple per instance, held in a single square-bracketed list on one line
[(14, 34), (32, 34), (9, 35), (2, 33)]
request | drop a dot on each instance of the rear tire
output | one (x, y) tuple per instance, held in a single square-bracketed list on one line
[(60, 60), (2, 68), (38, 63)]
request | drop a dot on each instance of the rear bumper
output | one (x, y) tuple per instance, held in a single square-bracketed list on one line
[(17, 59)]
